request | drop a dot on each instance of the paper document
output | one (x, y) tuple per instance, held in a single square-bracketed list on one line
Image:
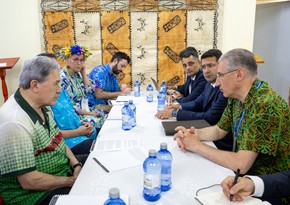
[(83, 199), (116, 144), (218, 198), (3, 64), (118, 160)]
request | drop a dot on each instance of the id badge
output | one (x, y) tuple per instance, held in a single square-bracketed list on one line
[(85, 104)]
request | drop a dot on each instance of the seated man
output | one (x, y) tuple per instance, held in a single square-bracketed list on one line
[(209, 105), (35, 163), (195, 81), (105, 79), (256, 114), (269, 188)]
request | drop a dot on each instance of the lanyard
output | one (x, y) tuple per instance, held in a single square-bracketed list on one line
[(80, 94), (237, 127)]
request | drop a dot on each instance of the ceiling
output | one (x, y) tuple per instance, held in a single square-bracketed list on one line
[(269, 1)]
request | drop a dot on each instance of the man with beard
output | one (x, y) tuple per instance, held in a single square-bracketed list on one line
[(105, 79)]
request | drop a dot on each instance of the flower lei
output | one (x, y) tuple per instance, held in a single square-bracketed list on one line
[(67, 52)]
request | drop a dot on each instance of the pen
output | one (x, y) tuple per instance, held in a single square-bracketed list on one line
[(235, 181), (101, 165)]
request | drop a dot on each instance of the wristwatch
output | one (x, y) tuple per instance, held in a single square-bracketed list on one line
[(174, 113), (77, 164)]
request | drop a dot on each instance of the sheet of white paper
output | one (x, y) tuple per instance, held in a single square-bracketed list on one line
[(124, 159), (123, 99), (116, 144), (218, 198), (3, 64), (85, 199)]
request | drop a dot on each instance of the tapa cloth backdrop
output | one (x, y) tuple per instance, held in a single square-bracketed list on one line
[(151, 32)]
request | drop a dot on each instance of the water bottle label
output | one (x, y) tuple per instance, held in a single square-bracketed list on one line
[(151, 181), (125, 118)]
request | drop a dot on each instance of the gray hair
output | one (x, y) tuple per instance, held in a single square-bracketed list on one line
[(240, 58), (37, 68)]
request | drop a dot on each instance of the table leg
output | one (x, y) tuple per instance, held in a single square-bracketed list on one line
[(4, 86)]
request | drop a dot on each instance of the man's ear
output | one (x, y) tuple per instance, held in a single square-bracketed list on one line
[(34, 85), (115, 61), (240, 74)]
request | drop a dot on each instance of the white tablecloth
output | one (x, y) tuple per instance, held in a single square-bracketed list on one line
[(190, 171)]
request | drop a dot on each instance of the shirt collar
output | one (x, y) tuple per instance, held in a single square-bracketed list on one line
[(34, 116)]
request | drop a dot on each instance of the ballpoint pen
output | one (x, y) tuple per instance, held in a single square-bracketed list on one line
[(235, 181)]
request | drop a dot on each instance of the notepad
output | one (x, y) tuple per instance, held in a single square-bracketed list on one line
[(169, 126), (218, 198), (119, 160)]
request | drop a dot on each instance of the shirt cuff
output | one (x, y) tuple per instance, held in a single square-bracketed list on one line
[(259, 185)]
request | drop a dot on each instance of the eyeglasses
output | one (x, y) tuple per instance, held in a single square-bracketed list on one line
[(78, 60), (210, 65), (221, 75)]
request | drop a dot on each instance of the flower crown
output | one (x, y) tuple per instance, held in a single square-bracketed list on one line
[(67, 52)]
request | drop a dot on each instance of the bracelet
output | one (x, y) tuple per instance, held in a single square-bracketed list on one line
[(77, 164)]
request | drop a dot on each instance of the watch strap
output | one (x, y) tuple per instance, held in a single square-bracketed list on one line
[(77, 164)]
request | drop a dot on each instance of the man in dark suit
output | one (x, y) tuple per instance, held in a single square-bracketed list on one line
[(269, 187), (195, 81), (209, 105)]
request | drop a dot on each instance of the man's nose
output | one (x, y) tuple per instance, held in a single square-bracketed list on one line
[(218, 82)]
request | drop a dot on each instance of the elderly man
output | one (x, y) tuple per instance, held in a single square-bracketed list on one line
[(195, 81), (105, 79), (209, 105), (256, 114), (35, 163)]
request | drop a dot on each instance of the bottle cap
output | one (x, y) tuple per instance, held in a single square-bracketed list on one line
[(114, 193), (163, 145), (152, 152), (130, 101)]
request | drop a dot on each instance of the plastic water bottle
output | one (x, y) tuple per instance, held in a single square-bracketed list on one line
[(165, 158), (126, 115), (161, 98), (149, 93), (114, 198), (163, 87), (137, 89), (152, 175), (133, 109)]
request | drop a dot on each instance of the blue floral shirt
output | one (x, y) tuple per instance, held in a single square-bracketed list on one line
[(103, 78), (76, 89)]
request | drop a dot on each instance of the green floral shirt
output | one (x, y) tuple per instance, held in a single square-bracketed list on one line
[(264, 127)]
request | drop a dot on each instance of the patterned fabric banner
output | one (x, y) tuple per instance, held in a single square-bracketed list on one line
[(151, 32)]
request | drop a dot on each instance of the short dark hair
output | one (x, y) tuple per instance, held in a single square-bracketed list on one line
[(49, 55), (120, 56), (189, 51), (212, 53)]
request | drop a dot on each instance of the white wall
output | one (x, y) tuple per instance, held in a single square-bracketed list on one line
[(20, 31), (238, 24), (272, 43), (19, 36)]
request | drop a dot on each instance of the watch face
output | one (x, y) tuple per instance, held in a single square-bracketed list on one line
[(174, 113)]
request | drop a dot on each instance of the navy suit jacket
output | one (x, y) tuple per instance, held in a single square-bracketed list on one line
[(196, 88), (209, 106), (276, 186)]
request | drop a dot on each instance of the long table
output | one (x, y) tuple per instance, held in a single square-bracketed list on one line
[(190, 171)]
